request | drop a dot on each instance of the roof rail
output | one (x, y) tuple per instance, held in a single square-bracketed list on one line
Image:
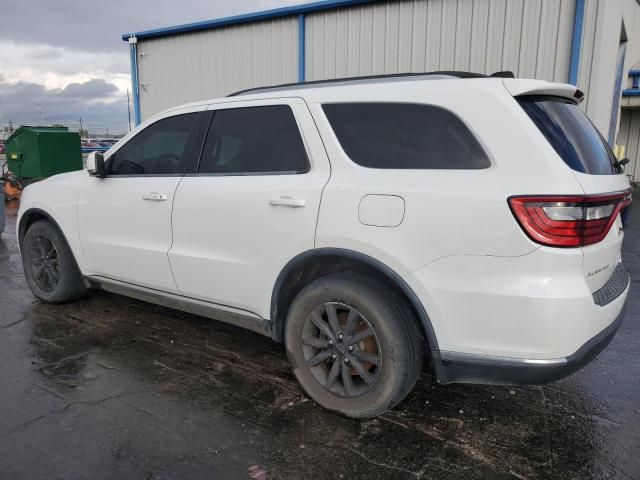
[(446, 73)]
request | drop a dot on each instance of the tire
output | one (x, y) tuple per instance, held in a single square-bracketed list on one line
[(391, 357), (45, 249)]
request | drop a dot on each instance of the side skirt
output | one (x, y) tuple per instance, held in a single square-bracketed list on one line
[(213, 311)]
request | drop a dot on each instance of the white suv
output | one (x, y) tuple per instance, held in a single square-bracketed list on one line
[(363, 223)]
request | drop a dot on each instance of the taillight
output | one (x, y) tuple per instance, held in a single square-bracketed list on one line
[(568, 221)]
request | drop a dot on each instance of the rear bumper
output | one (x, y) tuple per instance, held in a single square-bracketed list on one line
[(535, 307), (454, 367)]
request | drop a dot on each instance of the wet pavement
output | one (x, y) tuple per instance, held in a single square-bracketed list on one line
[(112, 388)]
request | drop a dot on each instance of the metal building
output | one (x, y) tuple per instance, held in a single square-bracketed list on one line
[(593, 44)]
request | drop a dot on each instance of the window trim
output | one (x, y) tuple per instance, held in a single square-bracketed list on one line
[(209, 122), (197, 138), (471, 130)]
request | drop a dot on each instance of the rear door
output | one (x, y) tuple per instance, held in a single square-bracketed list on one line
[(250, 205), (579, 144), (124, 219)]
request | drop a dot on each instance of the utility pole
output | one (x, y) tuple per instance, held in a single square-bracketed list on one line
[(81, 128), (129, 109), (2, 115)]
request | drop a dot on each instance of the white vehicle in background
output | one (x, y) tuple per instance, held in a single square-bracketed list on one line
[(364, 223)]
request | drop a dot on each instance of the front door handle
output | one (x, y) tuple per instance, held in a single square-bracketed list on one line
[(288, 202), (154, 196)]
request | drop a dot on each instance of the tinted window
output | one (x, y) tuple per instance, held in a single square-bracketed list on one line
[(571, 134), (408, 136), (161, 148), (254, 140)]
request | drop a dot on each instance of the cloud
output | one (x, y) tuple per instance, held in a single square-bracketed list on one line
[(89, 90), (99, 103), (56, 67)]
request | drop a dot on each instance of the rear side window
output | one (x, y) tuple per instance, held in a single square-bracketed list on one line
[(571, 134), (254, 140), (404, 136)]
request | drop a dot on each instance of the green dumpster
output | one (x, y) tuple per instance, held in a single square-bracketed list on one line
[(36, 152)]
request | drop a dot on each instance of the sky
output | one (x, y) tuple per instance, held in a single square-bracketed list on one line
[(62, 60)]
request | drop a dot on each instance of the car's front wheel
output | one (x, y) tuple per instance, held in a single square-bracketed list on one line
[(49, 266), (354, 345)]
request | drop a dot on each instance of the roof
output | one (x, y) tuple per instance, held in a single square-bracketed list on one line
[(351, 90), (37, 129), (245, 18)]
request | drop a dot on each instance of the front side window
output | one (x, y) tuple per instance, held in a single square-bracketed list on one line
[(162, 148), (404, 136), (250, 140), (571, 134)]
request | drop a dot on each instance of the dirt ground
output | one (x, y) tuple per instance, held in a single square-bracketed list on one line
[(112, 388)]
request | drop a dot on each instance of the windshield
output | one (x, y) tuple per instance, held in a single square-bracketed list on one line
[(571, 134)]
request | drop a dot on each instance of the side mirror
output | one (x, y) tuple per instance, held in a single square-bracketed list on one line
[(95, 165)]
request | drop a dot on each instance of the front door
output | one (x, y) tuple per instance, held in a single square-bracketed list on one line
[(124, 219), (252, 204)]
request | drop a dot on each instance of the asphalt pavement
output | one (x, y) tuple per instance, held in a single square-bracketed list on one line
[(112, 388)]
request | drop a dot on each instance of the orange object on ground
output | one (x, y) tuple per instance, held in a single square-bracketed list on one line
[(12, 186)]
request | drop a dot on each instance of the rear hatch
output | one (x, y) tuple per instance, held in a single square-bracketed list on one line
[(554, 109)]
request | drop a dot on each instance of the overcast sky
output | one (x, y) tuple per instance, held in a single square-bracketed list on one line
[(65, 59)]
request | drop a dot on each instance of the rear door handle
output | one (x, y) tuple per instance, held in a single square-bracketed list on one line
[(288, 202), (154, 196)]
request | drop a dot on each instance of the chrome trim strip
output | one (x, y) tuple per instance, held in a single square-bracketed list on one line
[(502, 361)]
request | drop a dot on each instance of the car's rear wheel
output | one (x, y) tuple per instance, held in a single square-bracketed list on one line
[(354, 345), (49, 266)]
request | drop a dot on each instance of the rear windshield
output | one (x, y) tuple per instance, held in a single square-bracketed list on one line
[(571, 134), (404, 136)]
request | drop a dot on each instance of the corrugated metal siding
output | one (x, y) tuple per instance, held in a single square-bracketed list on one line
[(532, 38), (629, 136), (587, 48), (212, 63)]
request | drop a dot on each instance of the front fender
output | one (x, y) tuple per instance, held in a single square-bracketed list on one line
[(56, 200)]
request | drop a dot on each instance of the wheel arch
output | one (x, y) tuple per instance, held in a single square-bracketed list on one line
[(313, 264), (32, 215)]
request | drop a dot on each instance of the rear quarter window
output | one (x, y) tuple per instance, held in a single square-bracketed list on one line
[(571, 134), (404, 136)]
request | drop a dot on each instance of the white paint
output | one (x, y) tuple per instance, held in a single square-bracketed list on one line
[(381, 210), (229, 242)]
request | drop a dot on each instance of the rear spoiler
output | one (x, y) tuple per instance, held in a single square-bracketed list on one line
[(518, 87)]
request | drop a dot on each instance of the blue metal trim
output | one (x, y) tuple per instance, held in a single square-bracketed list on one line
[(634, 73), (133, 53), (301, 47), (631, 92), (576, 42), (246, 18)]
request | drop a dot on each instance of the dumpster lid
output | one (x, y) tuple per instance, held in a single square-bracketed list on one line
[(36, 129)]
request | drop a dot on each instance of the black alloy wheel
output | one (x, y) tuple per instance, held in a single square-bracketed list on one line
[(44, 264), (342, 350)]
